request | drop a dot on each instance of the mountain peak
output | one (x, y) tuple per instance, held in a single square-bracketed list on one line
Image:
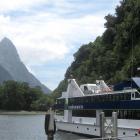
[(5, 39), (10, 61), (8, 49), (6, 42)]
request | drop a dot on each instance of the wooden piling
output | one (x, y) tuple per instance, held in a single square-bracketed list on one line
[(50, 126)]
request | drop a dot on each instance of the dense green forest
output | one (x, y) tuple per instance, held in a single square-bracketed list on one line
[(114, 56), (19, 96)]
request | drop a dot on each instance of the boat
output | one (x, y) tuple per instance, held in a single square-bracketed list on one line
[(79, 108)]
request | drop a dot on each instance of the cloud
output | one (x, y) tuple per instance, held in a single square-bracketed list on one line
[(8, 5), (49, 31), (45, 38)]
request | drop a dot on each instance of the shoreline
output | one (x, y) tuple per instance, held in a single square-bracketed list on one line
[(22, 112)]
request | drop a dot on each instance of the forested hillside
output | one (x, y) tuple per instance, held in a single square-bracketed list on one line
[(20, 96), (114, 56)]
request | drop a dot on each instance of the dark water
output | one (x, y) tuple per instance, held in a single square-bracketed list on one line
[(28, 127)]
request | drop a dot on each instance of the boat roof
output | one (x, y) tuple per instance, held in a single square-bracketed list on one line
[(88, 85), (110, 93), (136, 80)]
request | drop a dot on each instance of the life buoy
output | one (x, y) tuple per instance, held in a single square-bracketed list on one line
[(139, 130)]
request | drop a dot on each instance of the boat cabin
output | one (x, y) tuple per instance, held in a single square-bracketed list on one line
[(89, 88), (97, 88)]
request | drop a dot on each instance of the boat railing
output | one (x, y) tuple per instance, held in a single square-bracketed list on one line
[(113, 138), (126, 90), (116, 92)]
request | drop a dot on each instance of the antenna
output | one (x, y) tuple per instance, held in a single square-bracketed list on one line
[(132, 54), (132, 50)]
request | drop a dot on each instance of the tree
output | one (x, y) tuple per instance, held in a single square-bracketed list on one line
[(19, 96), (110, 55)]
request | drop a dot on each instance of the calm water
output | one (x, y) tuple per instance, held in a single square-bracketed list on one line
[(28, 127)]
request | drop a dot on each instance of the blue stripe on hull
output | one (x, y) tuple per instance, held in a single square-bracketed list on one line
[(127, 104), (132, 104)]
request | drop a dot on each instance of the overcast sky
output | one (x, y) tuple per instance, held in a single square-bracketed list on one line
[(48, 32)]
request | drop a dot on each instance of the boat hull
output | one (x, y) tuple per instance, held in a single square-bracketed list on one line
[(89, 128)]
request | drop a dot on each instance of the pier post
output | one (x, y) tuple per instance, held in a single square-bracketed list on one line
[(115, 125), (98, 112), (68, 115), (50, 136), (50, 126), (108, 126), (102, 125)]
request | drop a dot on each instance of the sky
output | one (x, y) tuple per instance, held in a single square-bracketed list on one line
[(47, 33)]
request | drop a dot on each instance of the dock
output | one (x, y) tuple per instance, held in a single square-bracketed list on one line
[(87, 126)]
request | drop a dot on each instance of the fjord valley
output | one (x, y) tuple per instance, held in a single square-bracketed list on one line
[(19, 89), (108, 59)]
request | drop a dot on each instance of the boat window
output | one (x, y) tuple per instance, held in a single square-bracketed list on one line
[(124, 96), (92, 99), (133, 95), (102, 98), (88, 99), (112, 97), (82, 100), (121, 96), (95, 99), (85, 100), (106, 98), (98, 98), (76, 100), (71, 101), (128, 96), (137, 95), (109, 97), (117, 97), (85, 88)]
